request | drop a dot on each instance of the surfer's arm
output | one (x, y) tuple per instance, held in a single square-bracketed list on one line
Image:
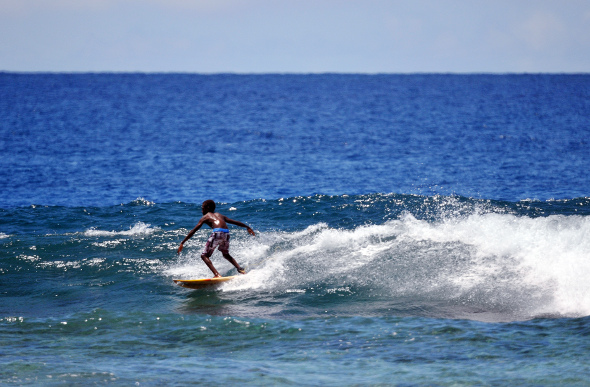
[(238, 223), (190, 234)]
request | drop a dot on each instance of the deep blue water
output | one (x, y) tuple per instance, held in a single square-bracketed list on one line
[(412, 229), (103, 139)]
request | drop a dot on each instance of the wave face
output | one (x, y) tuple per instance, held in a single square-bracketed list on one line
[(486, 267), (365, 255), (453, 258)]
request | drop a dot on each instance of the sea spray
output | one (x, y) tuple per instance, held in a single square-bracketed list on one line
[(483, 266), (380, 254)]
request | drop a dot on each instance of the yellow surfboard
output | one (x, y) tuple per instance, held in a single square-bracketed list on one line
[(204, 282)]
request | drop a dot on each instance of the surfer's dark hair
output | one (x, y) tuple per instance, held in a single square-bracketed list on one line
[(209, 205)]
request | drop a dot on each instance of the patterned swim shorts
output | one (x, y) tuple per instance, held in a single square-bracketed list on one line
[(217, 239)]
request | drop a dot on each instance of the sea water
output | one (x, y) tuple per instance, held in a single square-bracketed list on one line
[(411, 229)]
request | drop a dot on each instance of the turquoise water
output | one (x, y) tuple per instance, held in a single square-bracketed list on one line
[(411, 230), (173, 348)]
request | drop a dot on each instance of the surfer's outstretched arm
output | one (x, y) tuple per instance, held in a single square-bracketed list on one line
[(238, 223), (190, 234)]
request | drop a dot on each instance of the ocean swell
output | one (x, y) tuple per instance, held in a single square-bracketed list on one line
[(483, 266)]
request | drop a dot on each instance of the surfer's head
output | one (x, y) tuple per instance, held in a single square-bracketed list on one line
[(208, 206)]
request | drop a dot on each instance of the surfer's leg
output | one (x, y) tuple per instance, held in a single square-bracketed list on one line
[(224, 248), (208, 251), (233, 262), (207, 261)]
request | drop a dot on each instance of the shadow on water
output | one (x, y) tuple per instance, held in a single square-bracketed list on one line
[(317, 303), (216, 302)]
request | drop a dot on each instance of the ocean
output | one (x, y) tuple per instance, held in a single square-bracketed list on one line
[(412, 229)]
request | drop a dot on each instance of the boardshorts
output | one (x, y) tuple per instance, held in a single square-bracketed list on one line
[(219, 239)]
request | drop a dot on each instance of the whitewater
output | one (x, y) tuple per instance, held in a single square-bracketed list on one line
[(497, 267)]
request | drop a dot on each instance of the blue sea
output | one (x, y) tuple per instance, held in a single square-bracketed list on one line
[(420, 229)]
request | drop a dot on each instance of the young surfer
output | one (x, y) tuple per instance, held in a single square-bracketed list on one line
[(219, 237)]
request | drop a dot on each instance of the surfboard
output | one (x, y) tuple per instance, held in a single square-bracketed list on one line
[(203, 282)]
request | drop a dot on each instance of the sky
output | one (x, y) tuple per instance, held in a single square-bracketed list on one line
[(295, 36)]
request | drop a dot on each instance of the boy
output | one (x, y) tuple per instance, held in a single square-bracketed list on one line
[(219, 237)]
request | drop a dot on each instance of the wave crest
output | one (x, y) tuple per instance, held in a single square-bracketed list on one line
[(138, 229), (484, 266)]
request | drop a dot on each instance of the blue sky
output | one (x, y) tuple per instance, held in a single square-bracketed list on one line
[(298, 36)]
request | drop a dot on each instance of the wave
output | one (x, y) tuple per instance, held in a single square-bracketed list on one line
[(483, 266), (138, 229), (378, 254)]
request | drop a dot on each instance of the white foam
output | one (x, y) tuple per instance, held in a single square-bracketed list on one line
[(550, 253), (65, 265), (500, 263), (94, 261), (109, 244), (547, 255), (143, 201), (531, 266), (31, 258), (138, 229)]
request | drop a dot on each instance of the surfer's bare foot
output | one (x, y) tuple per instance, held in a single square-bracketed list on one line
[(217, 276), (241, 271)]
